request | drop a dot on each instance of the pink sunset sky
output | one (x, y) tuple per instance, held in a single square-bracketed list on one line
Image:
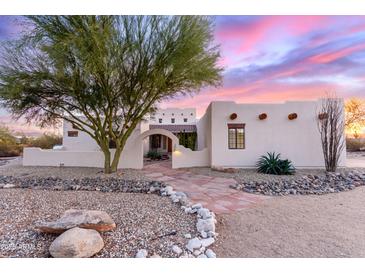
[(269, 59)]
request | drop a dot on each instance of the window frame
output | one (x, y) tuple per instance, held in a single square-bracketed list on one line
[(236, 127), (72, 133)]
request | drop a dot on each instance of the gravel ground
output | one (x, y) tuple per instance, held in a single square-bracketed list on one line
[(253, 175), (16, 169), (331, 225), (356, 154), (140, 219)]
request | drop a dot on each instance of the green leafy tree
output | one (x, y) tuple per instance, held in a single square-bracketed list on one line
[(105, 73)]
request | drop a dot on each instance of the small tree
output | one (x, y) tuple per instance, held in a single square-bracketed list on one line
[(331, 126), (355, 116), (111, 70)]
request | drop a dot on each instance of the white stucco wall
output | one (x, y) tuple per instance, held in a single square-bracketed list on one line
[(83, 142), (297, 140), (83, 151), (179, 114), (33, 156), (185, 157), (203, 130)]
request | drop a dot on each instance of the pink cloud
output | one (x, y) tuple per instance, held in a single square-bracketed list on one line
[(250, 35), (20, 126), (334, 55), (298, 25)]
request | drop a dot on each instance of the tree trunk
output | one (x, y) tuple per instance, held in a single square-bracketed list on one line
[(114, 165), (107, 167)]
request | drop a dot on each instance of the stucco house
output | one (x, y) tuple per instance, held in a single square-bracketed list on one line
[(227, 135)]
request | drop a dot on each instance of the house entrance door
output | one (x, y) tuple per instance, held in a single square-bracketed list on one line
[(169, 145)]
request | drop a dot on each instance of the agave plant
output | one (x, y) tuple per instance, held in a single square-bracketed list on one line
[(272, 164), (286, 167)]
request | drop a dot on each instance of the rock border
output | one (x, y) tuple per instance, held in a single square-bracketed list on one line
[(205, 225), (330, 182)]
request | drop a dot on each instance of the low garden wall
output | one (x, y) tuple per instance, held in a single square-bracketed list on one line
[(33, 156), (185, 157)]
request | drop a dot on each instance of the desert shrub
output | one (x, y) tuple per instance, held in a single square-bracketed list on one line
[(272, 164), (154, 155), (355, 144), (45, 141), (7, 150), (8, 143)]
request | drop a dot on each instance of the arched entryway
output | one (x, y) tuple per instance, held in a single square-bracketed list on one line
[(158, 146)]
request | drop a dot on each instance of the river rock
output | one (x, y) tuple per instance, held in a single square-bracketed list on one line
[(177, 250), (207, 242), (9, 186), (193, 244), (210, 253), (91, 219), (205, 225), (76, 243), (142, 253), (204, 213)]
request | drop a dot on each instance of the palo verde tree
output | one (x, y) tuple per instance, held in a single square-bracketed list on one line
[(103, 74)]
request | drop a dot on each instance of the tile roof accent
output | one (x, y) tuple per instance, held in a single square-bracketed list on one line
[(176, 128)]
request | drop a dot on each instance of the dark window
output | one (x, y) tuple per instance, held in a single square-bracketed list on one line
[(236, 136), (112, 144), (72, 133), (160, 121), (182, 114), (156, 141), (164, 141), (191, 114), (185, 120), (172, 120)]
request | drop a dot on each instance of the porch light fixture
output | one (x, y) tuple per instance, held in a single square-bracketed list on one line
[(292, 116), (233, 116), (262, 116)]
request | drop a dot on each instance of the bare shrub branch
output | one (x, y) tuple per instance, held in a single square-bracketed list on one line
[(331, 128)]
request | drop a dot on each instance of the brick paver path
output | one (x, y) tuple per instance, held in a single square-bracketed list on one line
[(212, 192)]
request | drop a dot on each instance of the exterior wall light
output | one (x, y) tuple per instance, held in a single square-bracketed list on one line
[(177, 152)]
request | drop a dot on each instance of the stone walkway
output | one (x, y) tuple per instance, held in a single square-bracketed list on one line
[(212, 192)]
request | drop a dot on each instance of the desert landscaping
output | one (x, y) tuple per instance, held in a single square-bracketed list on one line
[(154, 136), (144, 222)]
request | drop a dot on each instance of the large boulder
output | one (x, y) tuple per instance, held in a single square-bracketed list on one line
[(91, 219), (76, 243)]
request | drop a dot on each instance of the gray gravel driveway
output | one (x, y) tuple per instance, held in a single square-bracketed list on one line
[(331, 225)]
